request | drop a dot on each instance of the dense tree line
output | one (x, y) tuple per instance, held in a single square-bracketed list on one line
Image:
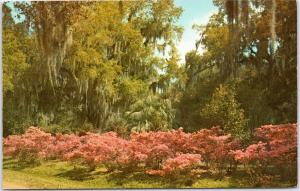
[(97, 66), (249, 66)]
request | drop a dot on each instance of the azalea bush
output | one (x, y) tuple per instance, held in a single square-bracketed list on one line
[(29, 147), (276, 147), (61, 146), (159, 146), (215, 149), (96, 149), (170, 154), (180, 165)]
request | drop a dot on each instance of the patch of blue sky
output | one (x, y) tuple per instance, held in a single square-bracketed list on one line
[(15, 13), (194, 12)]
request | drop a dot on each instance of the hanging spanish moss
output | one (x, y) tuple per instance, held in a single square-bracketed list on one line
[(52, 24), (53, 37), (273, 26)]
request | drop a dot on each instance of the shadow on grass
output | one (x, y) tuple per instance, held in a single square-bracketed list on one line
[(79, 173), (13, 164), (123, 178), (240, 179), (120, 178)]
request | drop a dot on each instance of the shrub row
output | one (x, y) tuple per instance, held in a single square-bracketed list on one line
[(167, 154)]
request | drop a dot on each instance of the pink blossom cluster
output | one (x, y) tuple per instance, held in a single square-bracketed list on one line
[(276, 144), (182, 163), (33, 141), (159, 146), (255, 151), (157, 153), (213, 146)]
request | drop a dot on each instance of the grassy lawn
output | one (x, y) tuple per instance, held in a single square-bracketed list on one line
[(62, 175)]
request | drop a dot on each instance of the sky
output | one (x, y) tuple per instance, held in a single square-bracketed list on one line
[(194, 12)]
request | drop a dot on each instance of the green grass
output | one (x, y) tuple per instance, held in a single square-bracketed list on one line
[(62, 175)]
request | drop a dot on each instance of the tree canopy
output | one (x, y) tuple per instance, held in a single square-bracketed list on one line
[(78, 66)]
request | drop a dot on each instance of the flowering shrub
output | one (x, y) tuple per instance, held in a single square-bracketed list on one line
[(62, 146), (213, 147), (169, 154), (253, 152), (28, 147), (157, 155), (281, 141), (95, 149), (159, 146), (277, 146), (277, 143), (182, 164)]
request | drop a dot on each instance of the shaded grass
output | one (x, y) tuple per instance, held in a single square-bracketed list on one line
[(62, 175), (52, 175)]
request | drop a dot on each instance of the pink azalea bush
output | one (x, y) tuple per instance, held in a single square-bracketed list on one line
[(95, 149), (214, 147), (281, 141), (159, 146), (167, 154), (276, 143), (276, 147), (182, 164), (28, 147), (61, 146)]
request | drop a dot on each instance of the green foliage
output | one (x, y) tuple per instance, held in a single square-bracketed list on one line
[(14, 61), (105, 62), (224, 110), (150, 114), (239, 46), (14, 58), (99, 67), (118, 124)]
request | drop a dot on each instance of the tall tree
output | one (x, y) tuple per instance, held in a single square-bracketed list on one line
[(94, 59), (251, 44)]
